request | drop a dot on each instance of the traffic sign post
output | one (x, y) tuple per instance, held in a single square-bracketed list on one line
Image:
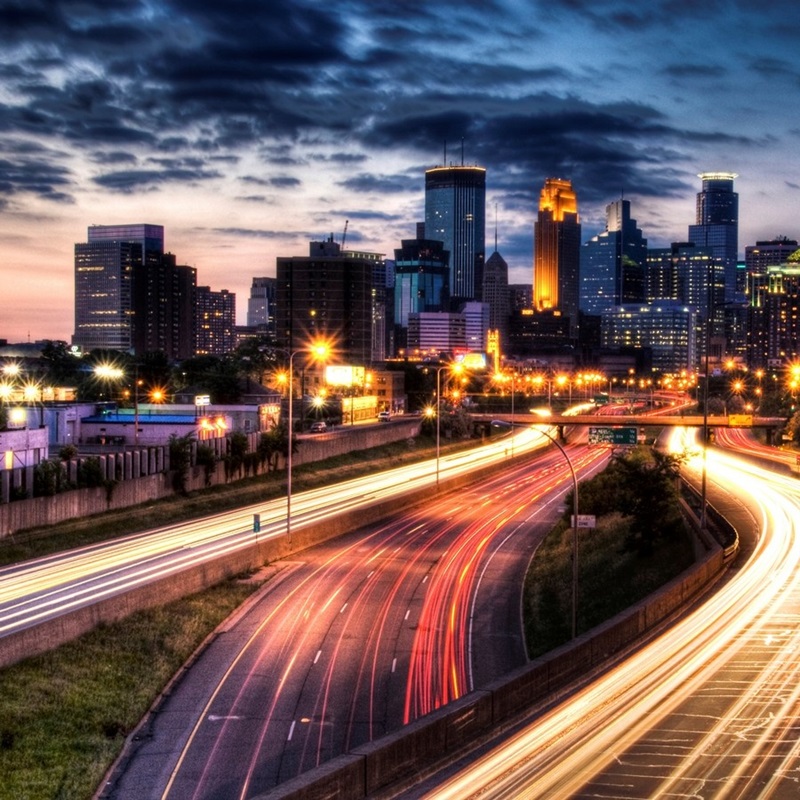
[(605, 435)]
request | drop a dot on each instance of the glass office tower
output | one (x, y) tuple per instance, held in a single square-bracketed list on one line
[(455, 214), (717, 226)]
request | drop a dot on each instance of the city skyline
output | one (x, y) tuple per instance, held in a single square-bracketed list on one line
[(247, 141)]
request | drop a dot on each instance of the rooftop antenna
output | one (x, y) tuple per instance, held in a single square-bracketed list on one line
[(495, 227), (444, 163), (462, 151)]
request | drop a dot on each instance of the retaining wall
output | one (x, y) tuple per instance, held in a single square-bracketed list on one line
[(134, 488)]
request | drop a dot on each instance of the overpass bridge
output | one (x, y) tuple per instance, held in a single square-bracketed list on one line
[(561, 421)]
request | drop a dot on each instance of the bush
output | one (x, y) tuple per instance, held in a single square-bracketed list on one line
[(49, 478)]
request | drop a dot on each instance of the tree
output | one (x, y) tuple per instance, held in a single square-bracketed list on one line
[(205, 458), (61, 366), (235, 457), (642, 485), (180, 458), (90, 473), (219, 377), (49, 478), (793, 428)]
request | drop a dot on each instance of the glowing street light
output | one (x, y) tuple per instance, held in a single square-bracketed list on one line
[(456, 369), (318, 352)]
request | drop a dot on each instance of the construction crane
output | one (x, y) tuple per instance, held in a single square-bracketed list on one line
[(344, 235)]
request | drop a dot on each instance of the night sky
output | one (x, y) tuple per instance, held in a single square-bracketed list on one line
[(249, 128)]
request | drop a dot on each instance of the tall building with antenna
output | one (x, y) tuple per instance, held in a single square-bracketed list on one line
[(495, 292), (455, 214)]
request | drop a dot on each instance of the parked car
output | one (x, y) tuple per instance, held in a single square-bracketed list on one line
[(318, 427), (384, 416)]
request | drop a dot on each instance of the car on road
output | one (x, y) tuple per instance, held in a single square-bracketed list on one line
[(384, 416), (318, 427)]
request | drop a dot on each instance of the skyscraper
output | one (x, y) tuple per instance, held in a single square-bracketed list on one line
[(556, 252), (455, 214), (327, 294), (774, 315), (495, 295), (613, 262), (163, 308), (106, 266), (691, 275), (717, 225)]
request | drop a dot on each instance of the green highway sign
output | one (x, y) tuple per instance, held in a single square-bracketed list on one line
[(612, 435)]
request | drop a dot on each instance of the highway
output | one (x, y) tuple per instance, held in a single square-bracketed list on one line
[(42, 589), (356, 638), (709, 709)]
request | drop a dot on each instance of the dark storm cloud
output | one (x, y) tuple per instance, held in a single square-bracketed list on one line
[(284, 182), (254, 233), (26, 166), (382, 184), (200, 80), (127, 181), (697, 70), (114, 157)]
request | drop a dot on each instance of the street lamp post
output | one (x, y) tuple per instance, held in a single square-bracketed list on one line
[(317, 351), (438, 417), (574, 527)]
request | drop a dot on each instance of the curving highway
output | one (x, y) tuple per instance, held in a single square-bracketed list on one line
[(710, 709), (362, 636)]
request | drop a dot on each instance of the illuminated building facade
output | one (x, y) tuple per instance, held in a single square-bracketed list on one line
[(717, 226), (440, 332), (455, 214), (613, 262), (215, 322), (774, 316), (668, 329), (556, 253), (693, 276)]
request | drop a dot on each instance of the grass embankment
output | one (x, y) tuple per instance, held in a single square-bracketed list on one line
[(621, 561), (611, 579), (64, 715)]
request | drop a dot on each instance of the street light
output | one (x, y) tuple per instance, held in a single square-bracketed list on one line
[(317, 352), (574, 527), (501, 377), (712, 307)]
